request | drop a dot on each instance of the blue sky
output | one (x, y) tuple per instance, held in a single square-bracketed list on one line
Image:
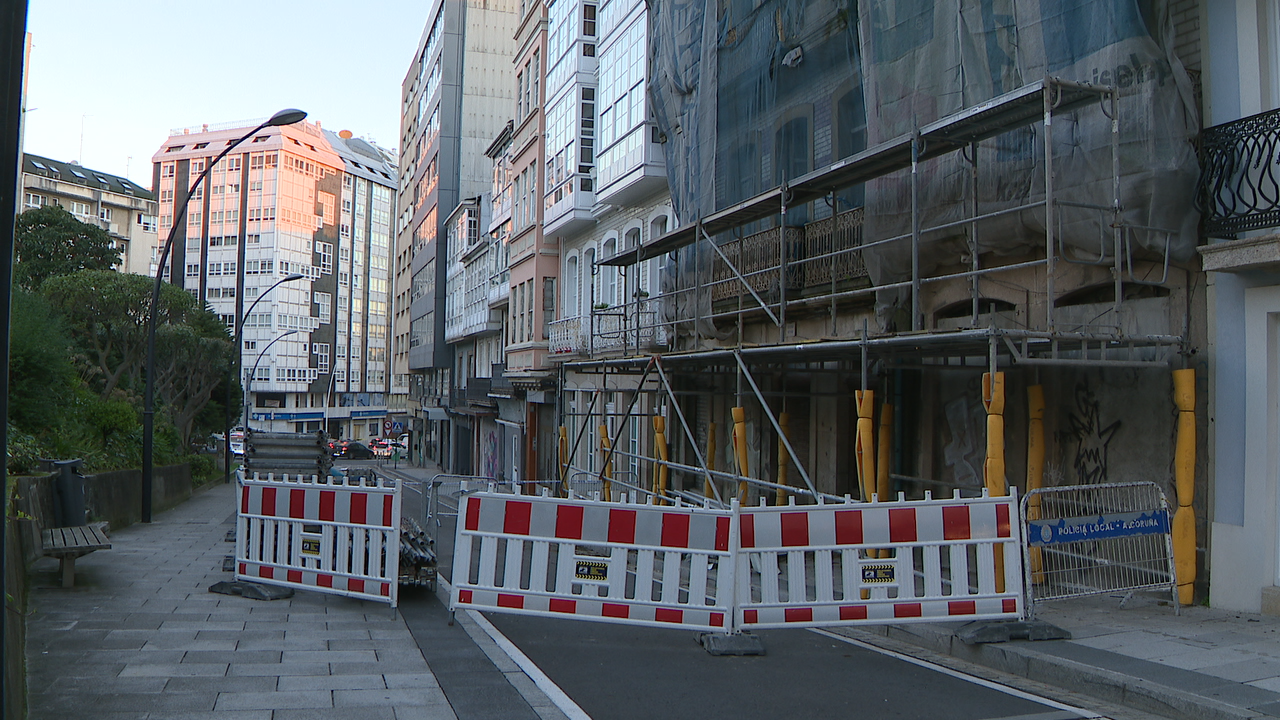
[(108, 79)]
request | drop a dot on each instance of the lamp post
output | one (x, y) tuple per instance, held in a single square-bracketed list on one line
[(284, 117), (248, 383), (233, 363)]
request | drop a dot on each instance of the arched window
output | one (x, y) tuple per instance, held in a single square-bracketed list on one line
[(590, 291), (609, 274), (572, 308)]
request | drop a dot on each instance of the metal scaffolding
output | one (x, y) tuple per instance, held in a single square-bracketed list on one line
[(773, 274)]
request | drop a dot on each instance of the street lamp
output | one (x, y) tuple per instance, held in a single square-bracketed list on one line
[(248, 383), (233, 364), (288, 116)]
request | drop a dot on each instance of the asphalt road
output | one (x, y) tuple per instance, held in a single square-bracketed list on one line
[(616, 672)]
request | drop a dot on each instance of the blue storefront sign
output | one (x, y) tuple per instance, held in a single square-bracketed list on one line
[(1098, 527)]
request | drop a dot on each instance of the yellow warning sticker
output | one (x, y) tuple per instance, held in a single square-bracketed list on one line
[(877, 573), (592, 571), (310, 546)]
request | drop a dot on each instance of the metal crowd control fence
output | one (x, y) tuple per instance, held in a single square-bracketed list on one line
[(445, 492), (1097, 539), (738, 568), (329, 534), (589, 485)]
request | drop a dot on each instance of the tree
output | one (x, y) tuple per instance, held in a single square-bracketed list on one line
[(49, 241), (189, 366), (106, 313), (42, 378)]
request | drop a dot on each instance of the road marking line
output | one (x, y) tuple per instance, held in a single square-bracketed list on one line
[(544, 683), (539, 678), (1086, 714)]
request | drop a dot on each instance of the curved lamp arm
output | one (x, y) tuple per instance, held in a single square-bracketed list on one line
[(287, 116)]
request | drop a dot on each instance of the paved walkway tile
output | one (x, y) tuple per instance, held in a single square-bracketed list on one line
[(141, 638)]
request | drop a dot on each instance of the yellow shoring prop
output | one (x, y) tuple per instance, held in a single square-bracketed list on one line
[(1035, 468), (884, 445), (993, 469), (1184, 479), (707, 490), (564, 461), (885, 441), (740, 449), (606, 475), (784, 422), (660, 469), (865, 444)]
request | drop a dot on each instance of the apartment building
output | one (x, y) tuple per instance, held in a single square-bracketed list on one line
[(623, 204), (298, 201), (1242, 260), (857, 241), (455, 99), (124, 209), (755, 247)]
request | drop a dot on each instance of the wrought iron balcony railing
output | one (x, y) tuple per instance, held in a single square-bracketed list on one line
[(1240, 175)]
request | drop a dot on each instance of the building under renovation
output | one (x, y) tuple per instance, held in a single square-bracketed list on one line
[(919, 247)]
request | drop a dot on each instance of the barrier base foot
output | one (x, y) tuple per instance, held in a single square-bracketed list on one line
[(989, 631), (229, 563), (735, 644), (253, 591)]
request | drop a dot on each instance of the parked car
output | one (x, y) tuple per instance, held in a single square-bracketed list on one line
[(353, 450), (381, 447)]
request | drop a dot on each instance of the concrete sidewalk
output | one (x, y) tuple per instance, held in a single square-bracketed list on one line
[(141, 637), (1201, 664)]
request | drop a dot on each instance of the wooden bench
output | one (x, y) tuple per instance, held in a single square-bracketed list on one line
[(69, 543)]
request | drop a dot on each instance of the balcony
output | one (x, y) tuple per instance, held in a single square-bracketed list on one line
[(477, 389), (1239, 188), (565, 337), (499, 383), (632, 327), (823, 257)]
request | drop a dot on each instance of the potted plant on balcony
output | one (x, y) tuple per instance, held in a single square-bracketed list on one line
[(601, 306), (642, 294)]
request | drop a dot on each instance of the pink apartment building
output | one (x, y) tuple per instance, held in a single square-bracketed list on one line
[(295, 199)]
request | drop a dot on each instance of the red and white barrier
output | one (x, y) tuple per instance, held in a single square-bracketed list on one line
[(319, 533), (794, 566), (876, 563), (613, 562)]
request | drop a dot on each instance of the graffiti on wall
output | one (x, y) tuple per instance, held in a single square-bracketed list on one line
[(1091, 438), (490, 454)]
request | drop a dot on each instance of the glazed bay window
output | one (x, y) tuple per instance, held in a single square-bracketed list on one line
[(622, 103)]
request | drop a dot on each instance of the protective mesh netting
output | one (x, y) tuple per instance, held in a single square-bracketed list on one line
[(754, 93)]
